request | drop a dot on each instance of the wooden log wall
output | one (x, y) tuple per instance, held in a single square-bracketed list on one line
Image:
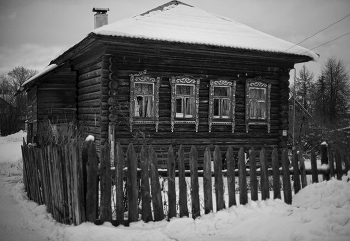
[(168, 60), (56, 96), (33, 108), (92, 113)]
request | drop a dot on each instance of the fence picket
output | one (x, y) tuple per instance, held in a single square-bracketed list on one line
[(253, 177), (324, 159), (118, 163), (243, 195), (276, 175), (207, 185), (231, 179), (287, 190), (91, 162), (131, 161), (331, 158), (347, 163), (219, 185), (182, 184), (265, 191), (314, 166), (193, 159), (155, 186), (146, 212), (296, 172), (171, 184)]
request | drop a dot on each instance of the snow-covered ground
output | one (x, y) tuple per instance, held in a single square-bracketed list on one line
[(319, 212)]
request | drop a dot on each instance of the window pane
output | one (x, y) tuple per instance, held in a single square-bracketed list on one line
[(189, 107), (143, 89), (222, 91), (184, 90), (225, 108), (216, 107), (138, 106), (255, 93), (179, 112), (261, 110), (148, 106)]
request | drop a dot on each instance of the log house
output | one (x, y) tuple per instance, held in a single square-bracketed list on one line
[(210, 82)]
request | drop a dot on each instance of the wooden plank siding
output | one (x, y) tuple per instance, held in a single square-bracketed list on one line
[(165, 61)]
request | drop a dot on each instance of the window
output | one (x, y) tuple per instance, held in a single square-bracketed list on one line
[(257, 103), (222, 103), (184, 100), (144, 99)]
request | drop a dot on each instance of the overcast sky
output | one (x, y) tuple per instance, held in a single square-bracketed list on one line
[(33, 32)]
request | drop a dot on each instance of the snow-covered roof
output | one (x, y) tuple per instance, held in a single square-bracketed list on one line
[(178, 22), (41, 73)]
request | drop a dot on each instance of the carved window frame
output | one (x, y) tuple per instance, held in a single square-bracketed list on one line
[(258, 82), (143, 77), (184, 80), (232, 104)]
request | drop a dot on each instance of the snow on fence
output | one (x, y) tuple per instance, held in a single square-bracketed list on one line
[(77, 186)]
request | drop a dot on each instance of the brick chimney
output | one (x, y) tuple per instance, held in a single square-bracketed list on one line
[(101, 17)]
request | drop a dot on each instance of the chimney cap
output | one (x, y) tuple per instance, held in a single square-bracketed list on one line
[(100, 10)]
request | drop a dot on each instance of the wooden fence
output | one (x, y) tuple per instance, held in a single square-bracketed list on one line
[(77, 186)]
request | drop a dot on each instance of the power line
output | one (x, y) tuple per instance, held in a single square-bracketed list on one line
[(318, 32), (325, 43)]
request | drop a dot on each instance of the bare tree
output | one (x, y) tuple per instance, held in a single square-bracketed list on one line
[(303, 86)]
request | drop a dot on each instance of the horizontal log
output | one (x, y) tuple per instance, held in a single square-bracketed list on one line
[(89, 96), (89, 82)]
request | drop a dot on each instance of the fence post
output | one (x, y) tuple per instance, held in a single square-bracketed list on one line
[(155, 186), (182, 184), (208, 197), (219, 185), (194, 182), (324, 158), (90, 160), (105, 172), (243, 195), (331, 158), (265, 191), (338, 161), (302, 170), (118, 163), (253, 178), (231, 179), (296, 172), (131, 161), (287, 191), (314, 166), (276, 175), (171, 183)]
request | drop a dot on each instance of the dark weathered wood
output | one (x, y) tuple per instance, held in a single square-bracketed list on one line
[(347, 163), (276, 176), (231, 178), (243, 194), (146, 211), (296, 177), (193, 159), (324, 158), (338, 164), (171, 183), (91, 161), (331, 157), (131, 161), (118, 163), (219, 185), (155, 186), (106, 182), (265, 191), (287, 190), (253, 176), (314, 166), (182, 184), (302, 170), (207, 184)]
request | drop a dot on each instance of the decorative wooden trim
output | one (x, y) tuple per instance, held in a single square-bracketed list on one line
[(260, 83), (143, 77), (232, 106), (174, 80)]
